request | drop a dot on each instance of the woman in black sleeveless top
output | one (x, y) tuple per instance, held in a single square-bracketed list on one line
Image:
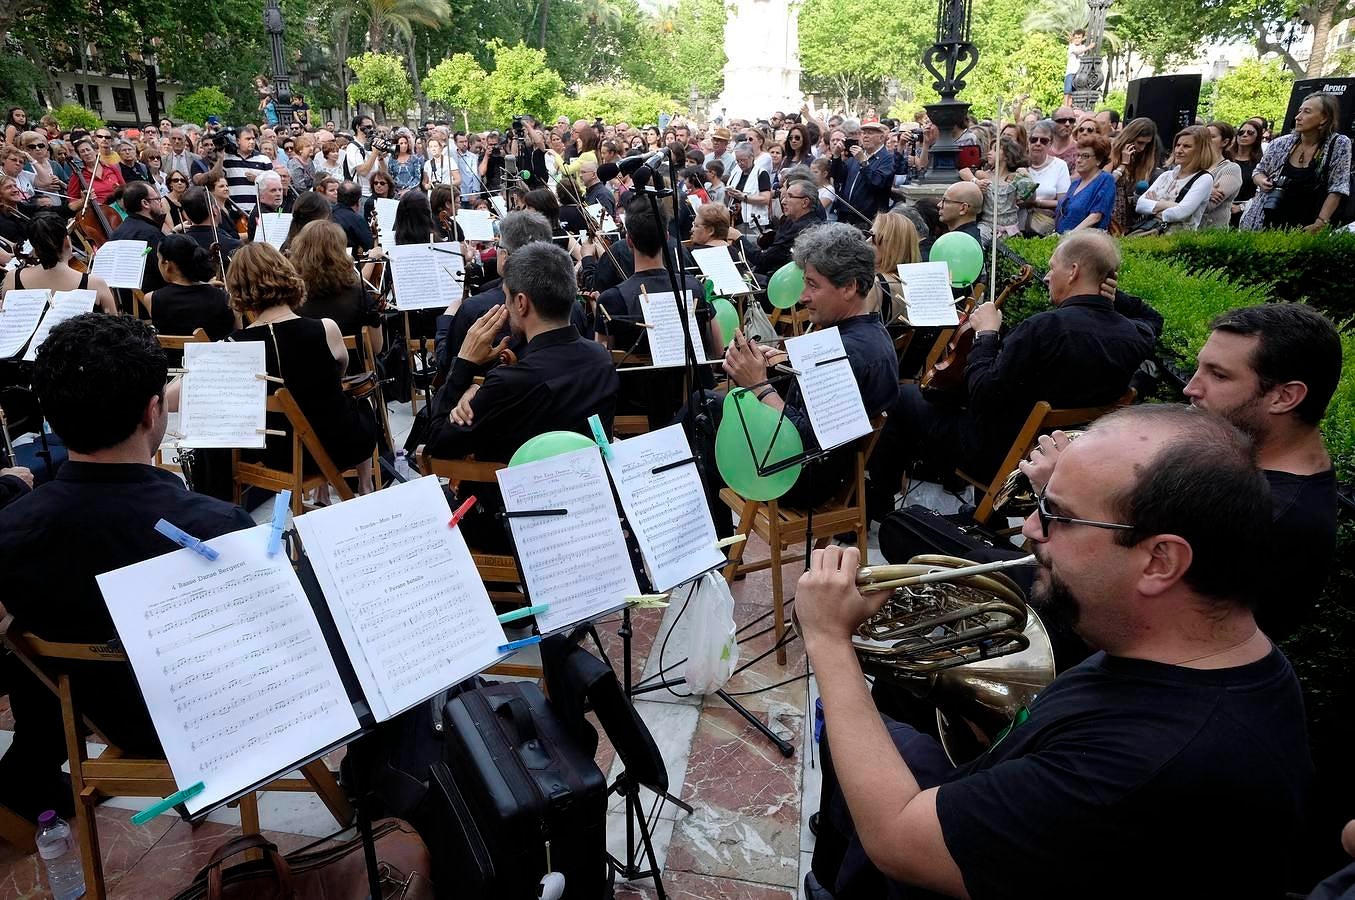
[(333, 288), (52, 247), (308, 355), (187, 302)]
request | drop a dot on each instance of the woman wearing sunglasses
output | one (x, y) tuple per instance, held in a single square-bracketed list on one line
[(1051, 178), (176, 185), (1246, 153)]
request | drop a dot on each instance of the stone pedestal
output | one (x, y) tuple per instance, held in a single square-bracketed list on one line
[(762, 44)]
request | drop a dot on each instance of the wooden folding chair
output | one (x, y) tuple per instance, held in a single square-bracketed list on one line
[(114, 773), (177, 341), (781, 526), (304, 440), (16, 830), (491, 566), (363, 344), (1043, 419)]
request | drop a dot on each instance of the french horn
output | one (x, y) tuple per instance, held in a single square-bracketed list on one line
[(1017, 497), (961, 636)]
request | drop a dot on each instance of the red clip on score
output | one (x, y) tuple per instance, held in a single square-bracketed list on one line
[(461, 512)]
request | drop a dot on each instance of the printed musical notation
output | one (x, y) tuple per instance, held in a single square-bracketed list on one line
[(662, 314), (576, 563), (927, 294), (64, 305), (667, 511), (426, 276), (404, 592), (121, 263), (231, 661), (19, 318), (273, 228), (717, 265), (223, 401), (476, 224), (832, 396)]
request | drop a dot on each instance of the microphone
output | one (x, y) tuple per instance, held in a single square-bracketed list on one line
[(632, 163), (1141, 187), (607, 171)]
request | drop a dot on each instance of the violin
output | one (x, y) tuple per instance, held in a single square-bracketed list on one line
[(946, 376)]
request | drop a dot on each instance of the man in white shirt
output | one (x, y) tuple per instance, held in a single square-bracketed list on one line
[(179, 158), (358, 161), (468, 162)]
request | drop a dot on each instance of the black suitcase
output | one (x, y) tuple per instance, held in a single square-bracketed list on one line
[(913, 530), (514, 780)]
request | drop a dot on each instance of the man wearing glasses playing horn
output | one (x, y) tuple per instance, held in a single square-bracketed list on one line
[(1172, 762)]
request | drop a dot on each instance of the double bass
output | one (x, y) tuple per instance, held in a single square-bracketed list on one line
[(94, 221), (947, 375)]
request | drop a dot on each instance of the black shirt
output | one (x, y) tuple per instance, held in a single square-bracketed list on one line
[(1304, 548), (1137, 779), (227, 241), (139, 228), (601, 194), (351, 308), (448, 345), (181, 309), (355, 229), (777, 254), (93, 518)]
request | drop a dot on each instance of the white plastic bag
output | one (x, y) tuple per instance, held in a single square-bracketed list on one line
[(712, 649)]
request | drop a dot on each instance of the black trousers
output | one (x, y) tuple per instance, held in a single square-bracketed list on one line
[(31, 779)]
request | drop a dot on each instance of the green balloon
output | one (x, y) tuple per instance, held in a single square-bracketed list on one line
[(962, 254), (726, 316), (737, 465), (552, 443), (710, 291), (786, 286)]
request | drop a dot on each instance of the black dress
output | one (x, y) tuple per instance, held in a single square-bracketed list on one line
[(1304, 192), (183, 308), (351, 308), (346, 429)]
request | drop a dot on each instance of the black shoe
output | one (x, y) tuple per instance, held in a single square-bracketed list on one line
[(814, 890), (814, 824)]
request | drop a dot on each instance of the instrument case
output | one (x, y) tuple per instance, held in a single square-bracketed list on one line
[(915, 530), (514, 779)]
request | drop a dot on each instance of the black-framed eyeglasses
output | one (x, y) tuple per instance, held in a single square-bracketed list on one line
[(1065, 121), (1045, 516)]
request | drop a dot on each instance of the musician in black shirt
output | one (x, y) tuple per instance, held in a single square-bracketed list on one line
[(559, 382), (1171, 763), (101, 382)]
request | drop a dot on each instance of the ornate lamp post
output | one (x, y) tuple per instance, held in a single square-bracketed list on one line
[(1087, 81), (949, 60), (282, 83)]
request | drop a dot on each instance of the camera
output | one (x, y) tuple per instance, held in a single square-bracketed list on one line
[(380, 143), (227, 142), (1271, 199), (518, 128), (849, 143)]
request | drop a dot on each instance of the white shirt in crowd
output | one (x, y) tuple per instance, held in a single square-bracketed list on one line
[(1188, 211)]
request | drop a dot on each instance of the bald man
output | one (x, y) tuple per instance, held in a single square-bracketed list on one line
[(960, 207), (596, 191)]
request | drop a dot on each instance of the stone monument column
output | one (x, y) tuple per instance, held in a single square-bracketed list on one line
[(762, 44)]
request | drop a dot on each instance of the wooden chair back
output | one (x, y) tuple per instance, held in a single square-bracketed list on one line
[(177, 341), (304, 440)]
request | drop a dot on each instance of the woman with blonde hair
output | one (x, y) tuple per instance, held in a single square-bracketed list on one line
[(1177, 199), (896, 242), (308, 355), (333, 289)]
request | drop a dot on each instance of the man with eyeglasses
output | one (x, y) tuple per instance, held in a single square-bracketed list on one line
[(799, 210), (863, 174), (1081, 353), (1171, 762), (1065, 148), (959, 209)]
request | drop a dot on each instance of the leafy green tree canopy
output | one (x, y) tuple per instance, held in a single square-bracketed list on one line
[(196, 106), (72, 115), (381, 80), (621, 101), (1254, 88)]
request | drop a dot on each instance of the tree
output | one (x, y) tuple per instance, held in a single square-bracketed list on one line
[(520, 82), (457, 82), (400, 16), (680, 48), (852, 54), (381, 82), (73, 115), (621, 101), (1254, 88), (197, 105)]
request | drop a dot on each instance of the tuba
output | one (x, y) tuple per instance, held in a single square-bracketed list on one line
[(961, 636)]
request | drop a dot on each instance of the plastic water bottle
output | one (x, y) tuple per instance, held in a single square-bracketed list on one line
[(56, 846), (402, 467)]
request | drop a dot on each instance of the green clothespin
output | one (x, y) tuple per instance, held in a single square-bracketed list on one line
[(168, 803)]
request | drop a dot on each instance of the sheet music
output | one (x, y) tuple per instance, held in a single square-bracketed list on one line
[(385, 220), (667, 511), (927, 293), (832, 396), (404, 592), (694, 202), (476, 224), (717, 265), (666, 347), (231, 662), (222, 402), (577, 563), (500, 207), (426, 276), (273, 228), (64, 305), (19, 319), (600, 218), (121, 263)]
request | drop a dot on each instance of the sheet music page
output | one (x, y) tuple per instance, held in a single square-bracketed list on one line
[(607, 224), (926, 292), (832, 396), (476, 224), (667, 511), (426, 276), (404, 592), (500, 207), (64, 305), (231, 661), (717, 265), (666, 346), (694, 202), (385, 220), (273, 228), (222, 402), (19, 319), (576, 563), (121, 263)]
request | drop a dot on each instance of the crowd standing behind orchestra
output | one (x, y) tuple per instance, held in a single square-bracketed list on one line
[(1171, 749)]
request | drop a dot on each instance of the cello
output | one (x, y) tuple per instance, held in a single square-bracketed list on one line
[(946, 376), (94, 220)]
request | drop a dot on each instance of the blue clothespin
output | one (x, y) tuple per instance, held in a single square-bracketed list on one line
[(512, 646), (184, 539), (168, 803), (600, 436), (281, 504)]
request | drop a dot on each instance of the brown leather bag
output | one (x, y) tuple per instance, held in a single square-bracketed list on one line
[(335, 873)]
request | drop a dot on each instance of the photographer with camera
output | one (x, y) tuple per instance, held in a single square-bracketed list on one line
[(242, 163), (521, 153), (362, 155)]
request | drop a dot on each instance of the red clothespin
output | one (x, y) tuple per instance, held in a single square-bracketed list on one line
[(461, 512)]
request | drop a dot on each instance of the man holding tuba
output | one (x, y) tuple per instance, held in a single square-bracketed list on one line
[(1173, 762)]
